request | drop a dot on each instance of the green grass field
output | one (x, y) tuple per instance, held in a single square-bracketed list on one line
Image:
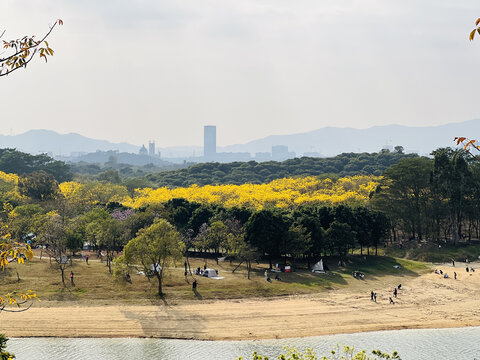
[(436, 254), (93, 283)]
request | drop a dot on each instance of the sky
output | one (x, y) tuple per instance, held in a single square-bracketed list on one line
[(139, 70)]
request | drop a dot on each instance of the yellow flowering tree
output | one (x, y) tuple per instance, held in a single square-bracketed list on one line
[(13, 251)]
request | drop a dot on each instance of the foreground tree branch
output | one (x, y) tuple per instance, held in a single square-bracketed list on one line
[(21, 51)]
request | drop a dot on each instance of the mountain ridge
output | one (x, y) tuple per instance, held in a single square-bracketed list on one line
[(327, 141)]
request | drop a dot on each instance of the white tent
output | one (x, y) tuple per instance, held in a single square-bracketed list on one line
[(211, 273), (318, 267), (155, 267)]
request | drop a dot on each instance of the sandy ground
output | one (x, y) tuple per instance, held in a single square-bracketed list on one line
[(427, 301)]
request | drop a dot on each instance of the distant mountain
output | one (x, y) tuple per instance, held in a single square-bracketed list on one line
[(46, 141), (331, 140), (328, 141)]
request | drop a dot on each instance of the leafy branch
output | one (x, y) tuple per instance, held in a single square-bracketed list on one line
[(477, 29), (23, 50)]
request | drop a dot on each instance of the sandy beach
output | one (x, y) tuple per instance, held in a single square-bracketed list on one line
[(426, 301)]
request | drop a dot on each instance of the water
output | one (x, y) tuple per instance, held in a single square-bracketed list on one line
[(449, 344)]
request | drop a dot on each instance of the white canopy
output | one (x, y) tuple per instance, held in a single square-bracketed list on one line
[(318, 267)]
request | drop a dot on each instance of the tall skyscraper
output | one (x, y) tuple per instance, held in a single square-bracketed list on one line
[(209, 141), (151, 148)]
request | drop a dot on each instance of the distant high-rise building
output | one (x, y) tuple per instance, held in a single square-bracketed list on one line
[(280, 153), (143, 150), (151, 148), (209, 141)]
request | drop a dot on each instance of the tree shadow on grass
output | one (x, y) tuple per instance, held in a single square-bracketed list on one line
[(375, 267)]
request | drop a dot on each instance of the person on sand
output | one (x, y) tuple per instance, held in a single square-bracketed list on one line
[(455, 275), (375, 296), (391, 301), (86, 259), (466, 268), (453, 262), (399, 286), (371, 295), (395, 292), (472, 269), (441, 272)]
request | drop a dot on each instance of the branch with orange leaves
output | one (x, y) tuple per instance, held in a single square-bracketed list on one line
[(24, 50), (468, 144), (477, 29), (13, 251)]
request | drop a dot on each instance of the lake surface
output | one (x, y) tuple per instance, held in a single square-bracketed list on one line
[(449, 344)]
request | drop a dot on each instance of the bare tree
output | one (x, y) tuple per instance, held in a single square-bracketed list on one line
[(53, 235)]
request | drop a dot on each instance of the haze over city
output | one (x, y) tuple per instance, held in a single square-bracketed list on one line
[(137, 70)]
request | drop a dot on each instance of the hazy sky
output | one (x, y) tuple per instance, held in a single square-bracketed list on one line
[(134, 70)]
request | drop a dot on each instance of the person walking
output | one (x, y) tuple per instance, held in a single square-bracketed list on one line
[(71, 278), (371, 295), (453, 262), (86, 259), (395, 292), (455, 275), (375, 296)]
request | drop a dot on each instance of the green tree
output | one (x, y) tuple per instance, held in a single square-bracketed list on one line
[(452, 184), (20, 163), (309, 218), (200, 216), (22, 220), (155, 248), (38, 185), (298, 242), (404, 194), (341, 237), (106, 233), (216, 235), (266, 231), (236, 245), (53, 234), (110, 176)]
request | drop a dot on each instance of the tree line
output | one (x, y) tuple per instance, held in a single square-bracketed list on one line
[(347, 164), (432, 199), (20, 163)]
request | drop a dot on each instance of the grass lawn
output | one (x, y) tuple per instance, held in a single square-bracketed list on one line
[(93, 283), (435, 254)]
